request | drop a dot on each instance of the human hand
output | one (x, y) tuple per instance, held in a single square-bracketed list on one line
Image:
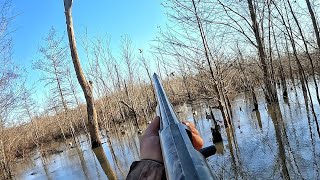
[(197, 141), (150, 142)]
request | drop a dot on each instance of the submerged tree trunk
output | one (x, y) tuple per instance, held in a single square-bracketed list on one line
[(302, 74), (226, 119), (281, 71), (249, 84), (307, 53), (289, 62), (86, 87), (289, 31), (271, 92)]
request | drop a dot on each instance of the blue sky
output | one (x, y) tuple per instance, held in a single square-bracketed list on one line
[(138, 19)]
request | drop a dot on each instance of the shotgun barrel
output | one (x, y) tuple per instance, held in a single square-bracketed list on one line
[(181, 159)]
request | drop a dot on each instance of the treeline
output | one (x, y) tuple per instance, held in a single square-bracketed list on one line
[(277, 37), (210, 50)]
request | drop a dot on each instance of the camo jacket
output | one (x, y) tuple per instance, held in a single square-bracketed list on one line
[(146, 170)]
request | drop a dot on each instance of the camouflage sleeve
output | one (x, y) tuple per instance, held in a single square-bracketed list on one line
[(146, 170)]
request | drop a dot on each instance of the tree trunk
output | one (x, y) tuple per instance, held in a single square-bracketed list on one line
[(86, 88), (289, 62), (63, 101), (307, 53), (303, 78), (271, 93), (281, 71), (314, 23), (249, 85), (85, 85), (215, 86)]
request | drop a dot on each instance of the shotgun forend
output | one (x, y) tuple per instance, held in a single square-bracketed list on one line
[(181, 159)]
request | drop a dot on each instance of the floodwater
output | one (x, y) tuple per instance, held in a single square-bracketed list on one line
[(276, 142)]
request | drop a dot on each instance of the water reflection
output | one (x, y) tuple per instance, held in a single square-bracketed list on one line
[(315, 164), (45, 168), (102, 158), (220, 148), (274, 142), (82, 162), (275, 114), (258, 116), (114, 158)]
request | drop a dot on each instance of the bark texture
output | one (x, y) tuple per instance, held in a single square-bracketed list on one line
[(88, 93)]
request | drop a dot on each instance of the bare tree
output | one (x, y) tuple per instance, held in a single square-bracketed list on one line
[(271, 94), (128, 56), (247, 82), (53, 65), (10, 89), (306, 51), (314, 23), (10, 96), (86, 87), (74, 93), (146, 66)]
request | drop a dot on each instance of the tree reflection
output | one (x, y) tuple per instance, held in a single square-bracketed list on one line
[(275, 114), (102, 158), (258, 116)]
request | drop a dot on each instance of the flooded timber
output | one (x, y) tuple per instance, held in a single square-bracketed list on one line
[(275, 142)]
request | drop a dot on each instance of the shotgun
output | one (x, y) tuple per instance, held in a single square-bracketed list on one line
[(181, 159)]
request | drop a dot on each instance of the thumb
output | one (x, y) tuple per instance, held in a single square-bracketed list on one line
[(153, 127)]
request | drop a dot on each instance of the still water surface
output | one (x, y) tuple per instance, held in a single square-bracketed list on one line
[(276, 142)]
